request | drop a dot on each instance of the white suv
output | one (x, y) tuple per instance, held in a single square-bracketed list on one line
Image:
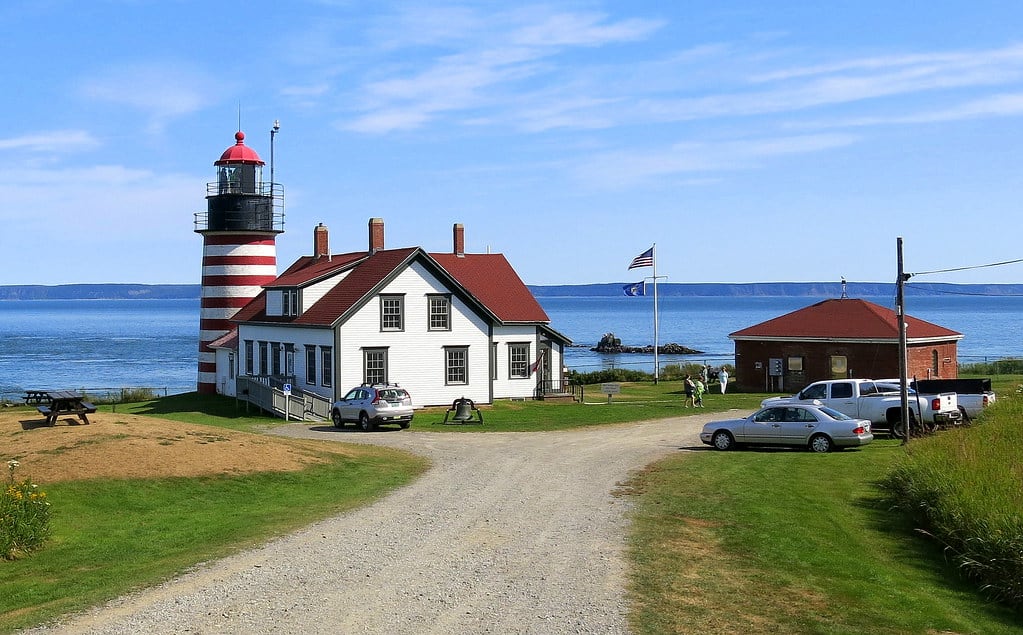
[(371, 405)]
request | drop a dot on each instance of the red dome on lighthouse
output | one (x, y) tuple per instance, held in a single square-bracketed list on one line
[(239, 153)]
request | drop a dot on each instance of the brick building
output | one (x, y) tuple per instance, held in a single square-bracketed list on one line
[(836, 339)]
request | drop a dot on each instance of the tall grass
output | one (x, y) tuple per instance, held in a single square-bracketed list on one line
[(963, 488)]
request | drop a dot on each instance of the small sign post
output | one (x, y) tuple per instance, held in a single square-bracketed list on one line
[(287, 402), (611, 388)]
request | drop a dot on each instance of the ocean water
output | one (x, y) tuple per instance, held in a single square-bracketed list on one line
[(111, 344)]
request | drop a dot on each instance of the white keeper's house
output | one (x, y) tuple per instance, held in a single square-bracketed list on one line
[(441, 325)]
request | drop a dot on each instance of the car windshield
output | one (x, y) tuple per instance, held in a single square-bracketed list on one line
[(834, 414)]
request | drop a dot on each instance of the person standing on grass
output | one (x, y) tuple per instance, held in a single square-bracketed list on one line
[(723, 378), (700, 389), (690, 389)]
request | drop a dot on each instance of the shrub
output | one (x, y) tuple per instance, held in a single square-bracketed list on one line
[(608, 375), (24, 516), (997, 367), (963, 489)]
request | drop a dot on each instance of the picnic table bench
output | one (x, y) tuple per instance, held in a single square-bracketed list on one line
[(65, 402)]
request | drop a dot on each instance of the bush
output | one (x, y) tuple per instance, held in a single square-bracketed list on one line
[(24, 516), (608, 375), (997, 367), (963, 488)]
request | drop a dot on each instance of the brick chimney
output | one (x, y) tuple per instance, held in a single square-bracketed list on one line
[(321, 242), (458, 241), (376, 234)]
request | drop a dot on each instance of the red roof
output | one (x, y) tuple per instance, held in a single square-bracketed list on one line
[(239, 153), (486, 279), (492, 281), (844, 318)]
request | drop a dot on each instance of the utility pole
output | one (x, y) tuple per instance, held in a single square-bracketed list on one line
[(900, 315)]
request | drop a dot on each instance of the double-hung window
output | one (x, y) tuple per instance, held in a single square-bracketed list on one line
[(374, 365), (310, 365), (518, 361), (392, 313), (456, 365), (264, 358), (440, 312), (326, 366), (249, 358), (275, 356)]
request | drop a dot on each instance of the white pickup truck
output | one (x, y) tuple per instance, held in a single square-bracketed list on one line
[(973, 395), (878, 402)]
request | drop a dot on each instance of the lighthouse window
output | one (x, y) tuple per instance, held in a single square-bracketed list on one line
[(392, 313), (229, 179)]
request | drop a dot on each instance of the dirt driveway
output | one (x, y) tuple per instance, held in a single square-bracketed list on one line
[(507, 533)]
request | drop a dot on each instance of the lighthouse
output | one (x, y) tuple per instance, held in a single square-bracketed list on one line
[(243, 216)]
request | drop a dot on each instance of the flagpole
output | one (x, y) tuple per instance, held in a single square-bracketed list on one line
[(653, 252)]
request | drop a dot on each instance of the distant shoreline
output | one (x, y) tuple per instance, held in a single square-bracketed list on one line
[(129, 291)]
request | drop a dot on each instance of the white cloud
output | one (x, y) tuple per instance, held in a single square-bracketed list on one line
[(51, 142), (161, 91), (482, 62), (613, 170)]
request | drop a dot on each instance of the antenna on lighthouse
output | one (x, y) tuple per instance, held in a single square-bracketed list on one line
[(273, 133)]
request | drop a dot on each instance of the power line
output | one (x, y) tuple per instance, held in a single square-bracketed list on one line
[(948, 292), (993, 264)]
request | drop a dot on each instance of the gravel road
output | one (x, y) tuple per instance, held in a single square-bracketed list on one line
[(506, 533)]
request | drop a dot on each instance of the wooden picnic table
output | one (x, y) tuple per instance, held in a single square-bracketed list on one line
[(37, 396), (65, 402)]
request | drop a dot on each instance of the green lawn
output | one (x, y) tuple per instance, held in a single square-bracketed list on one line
[(783, 541), (110, 536), (749, 541)]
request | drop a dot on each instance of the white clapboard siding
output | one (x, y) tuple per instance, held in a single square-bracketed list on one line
[(415, 356)]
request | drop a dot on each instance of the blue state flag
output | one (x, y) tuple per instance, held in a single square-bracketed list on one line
[(635, 289)]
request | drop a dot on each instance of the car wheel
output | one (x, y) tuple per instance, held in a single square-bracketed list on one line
[(405, 424), (723, 440), (338, 421), (364, 422), (820, 443)]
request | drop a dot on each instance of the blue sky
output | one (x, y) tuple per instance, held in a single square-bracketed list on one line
[(751, 141)]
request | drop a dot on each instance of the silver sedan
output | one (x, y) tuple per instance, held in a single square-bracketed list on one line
[(815, 427)]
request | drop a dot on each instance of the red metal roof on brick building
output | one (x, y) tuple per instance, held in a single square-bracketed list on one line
[(845, 319)]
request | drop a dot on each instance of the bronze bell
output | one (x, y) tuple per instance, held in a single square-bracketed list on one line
[(463, 410)]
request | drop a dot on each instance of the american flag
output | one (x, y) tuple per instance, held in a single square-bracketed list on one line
[(645, 259), (535, 366)]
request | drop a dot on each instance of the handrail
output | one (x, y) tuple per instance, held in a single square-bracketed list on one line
[(549, 387), (267, 393)]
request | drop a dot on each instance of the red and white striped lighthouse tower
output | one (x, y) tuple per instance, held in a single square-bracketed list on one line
[(239, 255)]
